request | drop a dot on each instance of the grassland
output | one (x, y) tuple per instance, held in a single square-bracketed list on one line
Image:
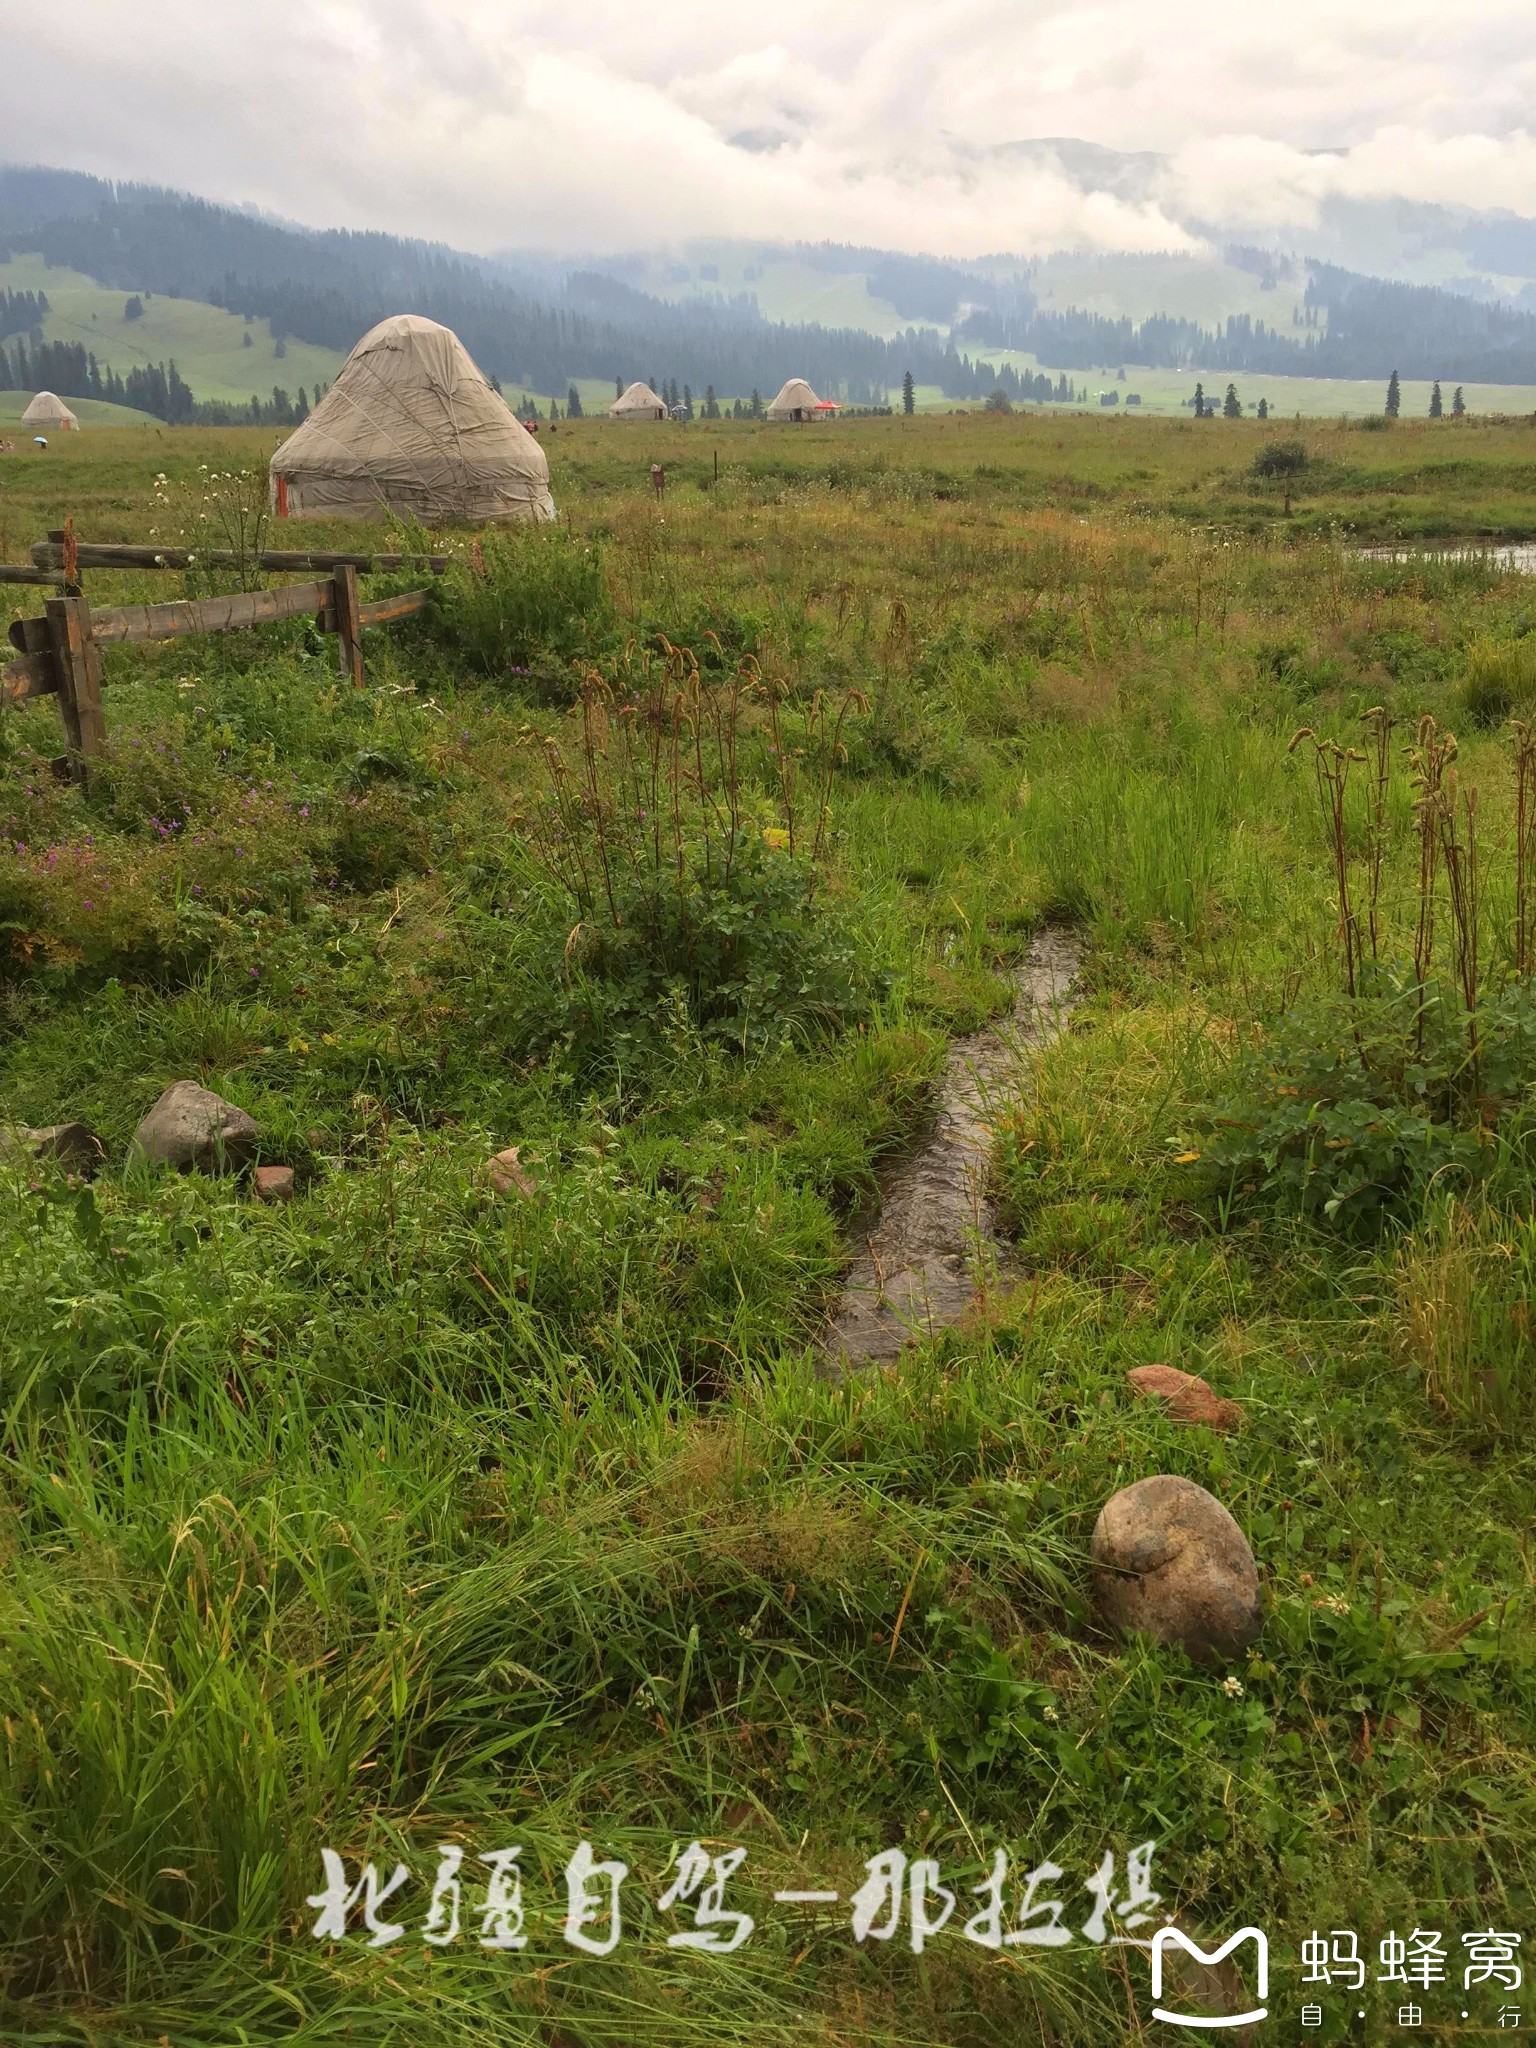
[(207, 344), (91, 412), (413, 1514)]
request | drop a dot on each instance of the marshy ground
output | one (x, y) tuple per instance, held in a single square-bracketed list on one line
[(676, 847)]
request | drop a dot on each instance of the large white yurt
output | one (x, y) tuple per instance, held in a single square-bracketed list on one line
[(797, 401), (638, 403), (412, 426), (47, 414)]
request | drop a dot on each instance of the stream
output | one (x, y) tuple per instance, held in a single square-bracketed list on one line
[(917, 1258)]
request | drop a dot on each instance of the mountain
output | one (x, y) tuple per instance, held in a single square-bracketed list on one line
[(732, 316)]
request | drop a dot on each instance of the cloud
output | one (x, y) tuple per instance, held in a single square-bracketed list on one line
[(493, 123)]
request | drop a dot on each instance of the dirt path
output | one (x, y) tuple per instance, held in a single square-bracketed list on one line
[(914, 1264)]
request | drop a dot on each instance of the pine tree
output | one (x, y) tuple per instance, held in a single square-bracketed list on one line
[(687, 403), (618, 387), (1231, 405), (711, 403), (757, 405), (1199, 401), (1263, 408), (573, 404), (1458, 404), (908, 394), (1394, 402), (1436, 406)]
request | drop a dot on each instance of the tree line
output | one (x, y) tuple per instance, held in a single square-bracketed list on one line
[(72, 371)]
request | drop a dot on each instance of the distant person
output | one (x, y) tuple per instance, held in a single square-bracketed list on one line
[(658, 481), (38, 441)]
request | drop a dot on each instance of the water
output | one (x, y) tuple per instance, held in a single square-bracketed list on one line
[(1519, 558), (916, 1265)]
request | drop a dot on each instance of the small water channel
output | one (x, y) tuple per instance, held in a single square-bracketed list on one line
[(917, 1259), (1518, 557)]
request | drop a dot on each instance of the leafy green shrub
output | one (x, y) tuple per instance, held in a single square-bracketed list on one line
[(1281, 459), (1500, 678), (686, 900), (1353, 1106), (372, 838), (524, 602)]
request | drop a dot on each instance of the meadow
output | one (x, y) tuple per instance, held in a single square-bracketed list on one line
[(673, 846)]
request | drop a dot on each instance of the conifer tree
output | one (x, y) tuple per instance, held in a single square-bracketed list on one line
[(1231, 405), (1436, 405), (1199, 401), (1458, 404), (1394, 397), (908, 394)]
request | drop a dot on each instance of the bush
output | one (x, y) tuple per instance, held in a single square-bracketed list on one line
[(683, 899), (1280, 459), (525, 601), (1353, 1106), (1500, 678)]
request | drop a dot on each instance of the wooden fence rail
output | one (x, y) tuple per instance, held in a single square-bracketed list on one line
[(49, 554), (60, 654)]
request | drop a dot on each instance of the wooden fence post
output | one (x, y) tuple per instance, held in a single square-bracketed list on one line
[(349, 629), (77, 667)]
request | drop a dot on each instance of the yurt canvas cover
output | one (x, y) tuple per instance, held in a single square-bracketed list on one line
[(46, 411), (411, 426), (638, 403), (797, 401)]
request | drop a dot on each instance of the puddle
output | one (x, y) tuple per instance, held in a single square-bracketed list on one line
[(1519, 559), (914, 1265)]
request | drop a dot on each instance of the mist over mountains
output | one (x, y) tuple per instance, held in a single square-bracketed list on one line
[(541, 322)]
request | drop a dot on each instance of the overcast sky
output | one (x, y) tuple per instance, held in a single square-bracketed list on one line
[(584, 124)]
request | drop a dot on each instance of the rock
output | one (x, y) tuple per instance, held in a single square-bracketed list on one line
[(508, 1175), (1168, 1559), (76, 1146), (190, 1126), (273, 1183), (1188, 1398)]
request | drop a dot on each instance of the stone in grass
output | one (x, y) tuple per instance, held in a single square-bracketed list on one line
[(1170, 1561), (75, 1146), (508, 1175), (272, 1183), (1188, 1398), (191, 1127)]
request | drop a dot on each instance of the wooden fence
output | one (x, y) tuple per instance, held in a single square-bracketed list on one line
[(59, 654)]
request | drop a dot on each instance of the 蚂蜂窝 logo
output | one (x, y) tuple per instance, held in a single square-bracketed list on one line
[(1175, 1937)]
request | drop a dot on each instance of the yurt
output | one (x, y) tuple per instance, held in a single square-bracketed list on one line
[(49, 415), (797, 401), (411, 426), (638, 403)]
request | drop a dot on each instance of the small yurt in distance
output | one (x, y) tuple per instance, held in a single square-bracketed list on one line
[(638, 403), (797, 401), (412, 426), (49, 415)]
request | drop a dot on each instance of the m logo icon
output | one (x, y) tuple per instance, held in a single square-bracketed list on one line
[(1175, 1937)]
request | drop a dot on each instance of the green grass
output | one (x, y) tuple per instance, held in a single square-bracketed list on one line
[(91, 412), (409, 1514), (207, 344)]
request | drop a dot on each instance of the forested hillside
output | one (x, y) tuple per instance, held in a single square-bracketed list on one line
[(543, 329)]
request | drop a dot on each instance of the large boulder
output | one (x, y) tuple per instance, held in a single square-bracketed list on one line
[(1170, 1561), (75, 1146), (191, 1127)]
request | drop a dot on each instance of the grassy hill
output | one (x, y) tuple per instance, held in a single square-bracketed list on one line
[(91, 412), (208, 344)]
